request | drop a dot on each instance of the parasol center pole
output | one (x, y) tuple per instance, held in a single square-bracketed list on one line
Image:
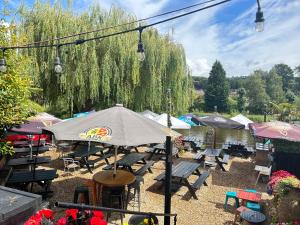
[(115, 161), (168, 180)]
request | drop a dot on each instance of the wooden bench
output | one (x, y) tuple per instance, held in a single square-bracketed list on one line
[(104, 157), (144, 168), (225, 159), (201, 180), (198, 155)]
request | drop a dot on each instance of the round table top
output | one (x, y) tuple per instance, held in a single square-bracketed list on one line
[(253, 216), (106, 178)]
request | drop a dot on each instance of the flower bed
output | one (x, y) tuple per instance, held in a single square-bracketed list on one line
[(72, 217)]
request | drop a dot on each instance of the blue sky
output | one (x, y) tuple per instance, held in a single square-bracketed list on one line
[(225, 33)]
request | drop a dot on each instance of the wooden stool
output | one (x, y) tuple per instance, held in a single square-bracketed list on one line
[(92, 186), (238, 211), (82, 190)]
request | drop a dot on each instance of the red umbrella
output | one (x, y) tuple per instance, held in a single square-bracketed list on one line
[(276, 130)]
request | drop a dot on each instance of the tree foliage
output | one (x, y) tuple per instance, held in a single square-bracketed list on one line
[(256, 93), (14, 83), (101, 73), (274, 86), (287, 75), (241, 100), (217, 90)]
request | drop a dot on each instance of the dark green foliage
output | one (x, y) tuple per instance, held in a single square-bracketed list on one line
[(101, 73), (274, 87), (200, 83), (290, 96), (256, 93), (237, 82), (287, 75), (217, 90), (241, 100)]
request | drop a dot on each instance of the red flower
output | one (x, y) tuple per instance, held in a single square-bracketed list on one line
[(34, 220), (72, 213), (97, 221), (47, 213), (98, 213), (62, 221), (296, 222)]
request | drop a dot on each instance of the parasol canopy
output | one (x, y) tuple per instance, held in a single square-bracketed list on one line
[(217, 121), (34, 125), (276, 130), (149, 114), (117, 126)]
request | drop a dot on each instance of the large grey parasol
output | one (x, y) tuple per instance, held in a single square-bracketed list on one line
[(117, 126)]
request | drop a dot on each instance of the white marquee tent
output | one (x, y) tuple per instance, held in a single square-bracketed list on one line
[(242, 120), (176, 123)]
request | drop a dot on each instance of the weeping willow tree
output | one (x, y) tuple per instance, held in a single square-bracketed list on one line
[(101, 73)]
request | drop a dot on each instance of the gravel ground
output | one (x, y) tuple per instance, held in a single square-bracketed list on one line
[(207, 210)]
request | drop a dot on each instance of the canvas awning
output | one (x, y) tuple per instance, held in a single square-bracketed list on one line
[(149, 114), (187, 119), (242, 120)]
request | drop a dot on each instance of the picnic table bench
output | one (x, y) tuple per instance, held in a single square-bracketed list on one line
[(161, 149), (209, 152), (129, 160), (83, 153), (41, 177), (182, 171), (26, 161), (35, 149)]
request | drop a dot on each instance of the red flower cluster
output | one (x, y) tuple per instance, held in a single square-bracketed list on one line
[(278, 176), (94, 217), (37, 218)]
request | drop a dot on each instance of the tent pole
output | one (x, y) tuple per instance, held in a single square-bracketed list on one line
[(215, 137), (115, 161)]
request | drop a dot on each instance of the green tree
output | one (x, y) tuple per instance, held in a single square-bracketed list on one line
[(14, 83), (101, 73), (287, 75), (217, 90), (274, 86), (256, 93), (290, 96), (241, 100)]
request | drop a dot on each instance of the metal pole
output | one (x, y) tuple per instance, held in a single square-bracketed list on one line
[(168, 181), (169, 107)]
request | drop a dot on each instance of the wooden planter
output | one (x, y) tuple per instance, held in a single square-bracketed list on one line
[(288, 207)]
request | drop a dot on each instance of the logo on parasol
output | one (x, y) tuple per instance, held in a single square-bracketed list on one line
[(97, 134)]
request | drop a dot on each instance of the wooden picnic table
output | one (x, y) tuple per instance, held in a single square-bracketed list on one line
[(41, 177), (210, 152), (35, 149), (248, 196), (161, 149), (182, 171), (133, 158), (26, 161)]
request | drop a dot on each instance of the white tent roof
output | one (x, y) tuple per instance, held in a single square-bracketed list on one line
[(242, 120), (176, 123), (149, 114)]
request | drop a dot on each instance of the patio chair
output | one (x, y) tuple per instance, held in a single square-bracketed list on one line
[(70, 164), (262, 170)]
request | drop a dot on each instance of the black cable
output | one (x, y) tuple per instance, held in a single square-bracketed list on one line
[(124, 24), (81, 41)]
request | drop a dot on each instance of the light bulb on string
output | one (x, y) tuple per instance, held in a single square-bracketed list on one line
[(57, 64), (259, 20), (141, 50)]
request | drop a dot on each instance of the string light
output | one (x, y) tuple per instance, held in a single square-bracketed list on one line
[(57, 63), (3, 67), (259, 21), (141, 50)]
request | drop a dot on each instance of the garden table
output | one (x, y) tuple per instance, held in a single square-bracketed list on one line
[(248, 196), (106, 178), (161, 149), (133, 158), (26, 161), (180, 174), (253, 217), (210, 152)]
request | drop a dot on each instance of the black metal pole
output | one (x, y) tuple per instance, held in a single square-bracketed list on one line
[(168, 180)]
